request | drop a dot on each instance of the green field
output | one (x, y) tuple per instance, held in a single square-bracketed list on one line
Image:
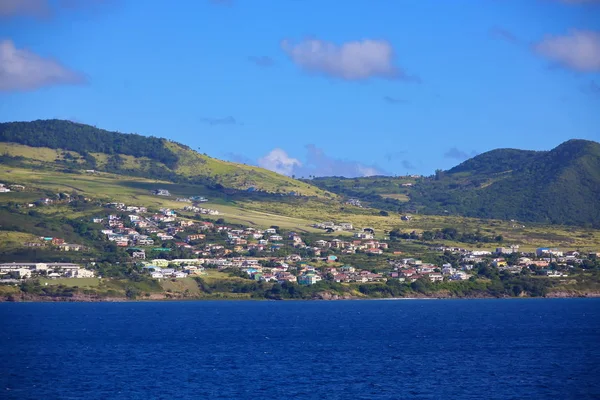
[(190, 164), (292, 213), (73, 282)]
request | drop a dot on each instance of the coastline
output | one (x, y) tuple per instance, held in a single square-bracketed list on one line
[(27, 298)]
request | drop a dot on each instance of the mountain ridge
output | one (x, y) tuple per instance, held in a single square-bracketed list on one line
[(559, 186), (85, 146)]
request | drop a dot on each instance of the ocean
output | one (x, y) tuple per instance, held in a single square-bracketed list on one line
[(401, 349)]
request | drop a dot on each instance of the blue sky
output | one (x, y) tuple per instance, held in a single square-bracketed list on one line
[(311, 87)]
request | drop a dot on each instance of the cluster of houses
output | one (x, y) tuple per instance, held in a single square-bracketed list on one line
[(161, 192), (56, 243), (6, 189), (201, 210), (17, 270), (411, 269), (354, 202), (211, 245), (368, 246), (332, 226)]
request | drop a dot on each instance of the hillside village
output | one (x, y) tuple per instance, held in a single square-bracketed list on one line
[(171, 244)]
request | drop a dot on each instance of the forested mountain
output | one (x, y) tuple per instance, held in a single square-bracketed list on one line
[(560, 186), (70, 145)]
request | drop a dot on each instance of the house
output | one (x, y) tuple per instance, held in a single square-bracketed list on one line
[(80, 273), (160, 262), (309, 278), (157, 275), (436, 277), (347, 226), (507, 250), (374, 251), (197, 236), (286, 277), (271, 231), (275, 238), (139, 254), (71, 247), (546, 252), (321, 243), (459, 276)]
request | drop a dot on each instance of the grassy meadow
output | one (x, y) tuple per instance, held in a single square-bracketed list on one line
[(290, 213)]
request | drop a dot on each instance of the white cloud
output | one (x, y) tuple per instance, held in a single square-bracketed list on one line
[(22, 69), (279, 161), (356, 60), (578, 50), (367, 171)]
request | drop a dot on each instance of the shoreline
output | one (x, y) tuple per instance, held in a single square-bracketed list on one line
[(92, 299)]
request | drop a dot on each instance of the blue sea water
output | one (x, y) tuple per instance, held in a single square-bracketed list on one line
[(406, 349)]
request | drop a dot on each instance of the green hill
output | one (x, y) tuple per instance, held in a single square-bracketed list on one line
[(70, 145), (560, 186)]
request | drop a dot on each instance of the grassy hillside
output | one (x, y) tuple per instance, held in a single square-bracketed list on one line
[(65, 144), (293, 213), (561, 186)]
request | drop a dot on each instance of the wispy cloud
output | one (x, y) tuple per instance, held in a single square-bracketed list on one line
[(458, 154), (352, 61), (577, 50), (279, 161), (320, 164), (262, 61), (229, 120), (591, 88), (503, 34), (22, 70), (394, 100), (317, 164)]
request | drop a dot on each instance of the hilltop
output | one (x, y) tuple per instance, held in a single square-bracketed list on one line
[(560, 186), (75, 146)]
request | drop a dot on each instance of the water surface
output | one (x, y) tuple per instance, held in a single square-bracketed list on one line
[(417, 349)]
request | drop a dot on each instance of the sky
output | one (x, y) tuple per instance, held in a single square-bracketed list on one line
[(311, 87)]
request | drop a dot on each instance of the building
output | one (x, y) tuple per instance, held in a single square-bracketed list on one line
[(309, 278)]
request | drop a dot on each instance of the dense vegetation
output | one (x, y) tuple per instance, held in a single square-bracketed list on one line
[(561, 186), (84, 139), (72, 147)]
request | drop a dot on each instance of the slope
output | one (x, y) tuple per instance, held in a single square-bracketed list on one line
[(561, 186), (72, 145)]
